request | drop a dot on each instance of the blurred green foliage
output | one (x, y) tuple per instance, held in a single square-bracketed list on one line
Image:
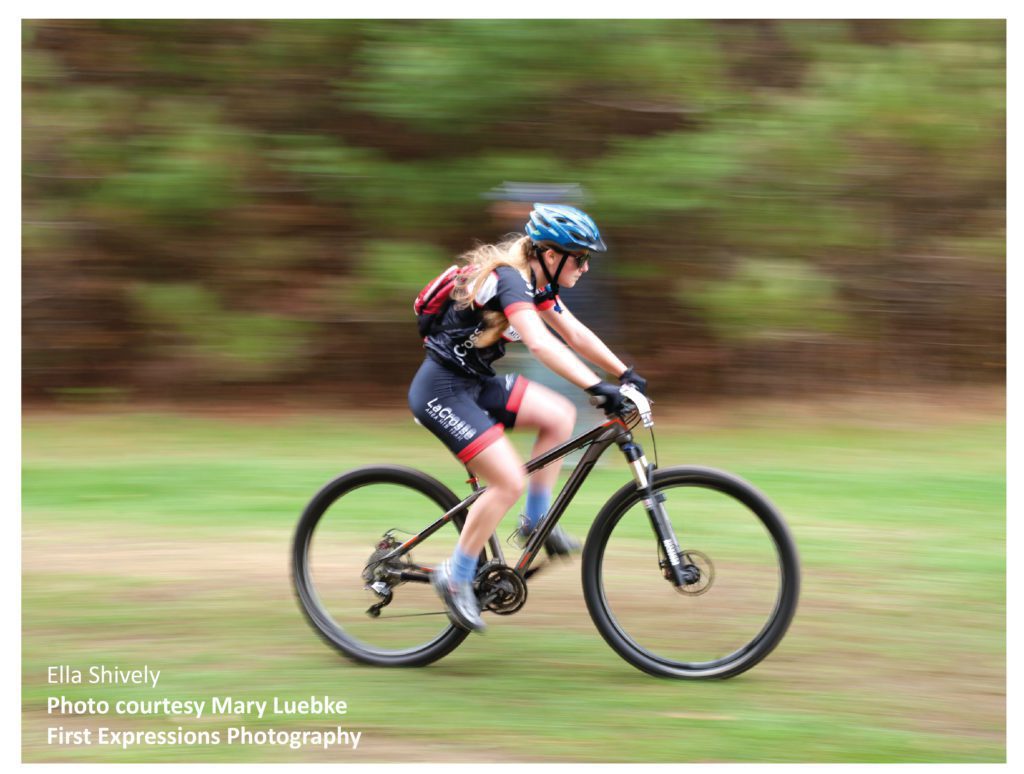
[(238, 344), (752, 178), (765, 299), (391, 272), (178, 177)]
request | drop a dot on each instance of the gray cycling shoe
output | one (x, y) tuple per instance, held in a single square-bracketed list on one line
[(459, 600), (558, 543)]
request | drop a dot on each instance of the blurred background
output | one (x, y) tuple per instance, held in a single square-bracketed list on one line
[(225, 225), (236, 209)]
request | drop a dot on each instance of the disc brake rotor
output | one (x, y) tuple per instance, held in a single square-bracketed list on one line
[(706, 572)]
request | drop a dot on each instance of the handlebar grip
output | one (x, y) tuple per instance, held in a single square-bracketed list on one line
[(597, 400)]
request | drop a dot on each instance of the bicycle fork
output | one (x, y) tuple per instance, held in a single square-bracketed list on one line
[(679, 573)]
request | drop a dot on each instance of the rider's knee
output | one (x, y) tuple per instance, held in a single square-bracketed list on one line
[(511, 485), (570, 416), (563, 417)]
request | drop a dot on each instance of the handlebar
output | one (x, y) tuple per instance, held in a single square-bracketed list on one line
[(640, 403)]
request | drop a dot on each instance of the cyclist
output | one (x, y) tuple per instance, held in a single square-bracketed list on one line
[(458, 397)]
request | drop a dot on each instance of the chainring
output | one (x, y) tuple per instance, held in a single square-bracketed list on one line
[(499, 588)]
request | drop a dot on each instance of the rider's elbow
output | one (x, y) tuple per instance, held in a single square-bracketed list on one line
[(543, 349)]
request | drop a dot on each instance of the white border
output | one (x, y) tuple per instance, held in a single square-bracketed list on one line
[(523, 9)]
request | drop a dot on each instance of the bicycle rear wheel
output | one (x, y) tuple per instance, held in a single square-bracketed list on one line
[(342, 534), (729, 619)]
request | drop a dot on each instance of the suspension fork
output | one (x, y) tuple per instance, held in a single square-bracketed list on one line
[(643, 474)]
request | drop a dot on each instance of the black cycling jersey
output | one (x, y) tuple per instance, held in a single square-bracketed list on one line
[(504, 290)]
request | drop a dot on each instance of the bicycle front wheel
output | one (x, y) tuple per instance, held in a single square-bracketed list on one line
[(376, 612), (747, 576)]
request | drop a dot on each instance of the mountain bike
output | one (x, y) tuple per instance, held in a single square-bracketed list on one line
[(688, 572)]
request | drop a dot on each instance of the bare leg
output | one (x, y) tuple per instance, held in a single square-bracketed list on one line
[(554, 418), (502, 470)]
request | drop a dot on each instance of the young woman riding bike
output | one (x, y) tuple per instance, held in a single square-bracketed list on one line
[(507, 292)]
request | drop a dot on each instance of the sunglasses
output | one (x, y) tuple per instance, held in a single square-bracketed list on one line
[(581, 258)]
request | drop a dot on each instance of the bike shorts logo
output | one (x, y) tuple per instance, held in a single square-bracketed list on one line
[(449, 421)]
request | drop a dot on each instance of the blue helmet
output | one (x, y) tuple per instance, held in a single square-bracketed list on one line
[(564, 227)]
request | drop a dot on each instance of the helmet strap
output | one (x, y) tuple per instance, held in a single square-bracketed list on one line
[(552, 280), (552, 286)]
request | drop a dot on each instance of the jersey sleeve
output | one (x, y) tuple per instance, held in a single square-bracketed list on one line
[(511, 293)]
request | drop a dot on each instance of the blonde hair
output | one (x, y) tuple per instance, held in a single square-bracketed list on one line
[(514, 250)]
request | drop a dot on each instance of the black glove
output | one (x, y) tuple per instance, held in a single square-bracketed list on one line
[(609, 397), (629, 376)]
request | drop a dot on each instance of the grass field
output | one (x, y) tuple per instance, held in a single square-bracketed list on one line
[(161, 539)]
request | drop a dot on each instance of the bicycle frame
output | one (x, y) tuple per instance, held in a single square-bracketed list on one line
[(502, 588), (597, 440)]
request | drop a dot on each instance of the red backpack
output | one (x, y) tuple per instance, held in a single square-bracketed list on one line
[(432, 301)]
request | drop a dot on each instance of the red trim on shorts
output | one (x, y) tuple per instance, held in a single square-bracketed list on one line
[(515, 398), (482, 441), (515, 306)]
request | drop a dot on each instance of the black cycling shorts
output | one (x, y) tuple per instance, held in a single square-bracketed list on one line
[(467, 413)]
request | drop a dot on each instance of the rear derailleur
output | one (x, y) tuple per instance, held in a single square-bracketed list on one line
[(382, 575)]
